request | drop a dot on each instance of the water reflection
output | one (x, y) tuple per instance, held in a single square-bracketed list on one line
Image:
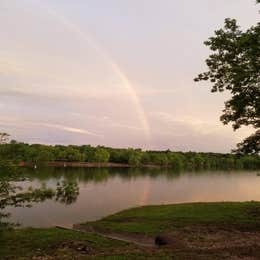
[(105, 191), (67, 192), (96, 175)]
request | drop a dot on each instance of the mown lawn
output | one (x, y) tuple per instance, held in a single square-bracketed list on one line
[(199, 231), (158, 219), (55, 242)]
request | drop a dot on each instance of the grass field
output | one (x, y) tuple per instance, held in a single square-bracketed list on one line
[(197, 231), (162, 218)]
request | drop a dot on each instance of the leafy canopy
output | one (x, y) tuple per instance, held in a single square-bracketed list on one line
[(234, 65)]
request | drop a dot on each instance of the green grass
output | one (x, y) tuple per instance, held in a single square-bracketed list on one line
[(49, 243), (157, 219), (28, 242)]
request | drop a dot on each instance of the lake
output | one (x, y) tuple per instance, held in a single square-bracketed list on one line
[(106, 190)]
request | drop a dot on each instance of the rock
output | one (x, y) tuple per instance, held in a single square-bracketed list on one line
[(76, 245), (163, 240)]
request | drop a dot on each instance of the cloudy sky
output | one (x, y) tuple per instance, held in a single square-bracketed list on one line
[(113, 72)]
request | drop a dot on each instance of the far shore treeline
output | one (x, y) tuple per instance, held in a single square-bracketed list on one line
[(42, 154)]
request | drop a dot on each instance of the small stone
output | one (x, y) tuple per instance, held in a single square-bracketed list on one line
[(163, 240)]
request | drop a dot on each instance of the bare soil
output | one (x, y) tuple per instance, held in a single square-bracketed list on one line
[(197, 241)]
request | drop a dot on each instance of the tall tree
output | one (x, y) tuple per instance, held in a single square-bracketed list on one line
[(234, 66)]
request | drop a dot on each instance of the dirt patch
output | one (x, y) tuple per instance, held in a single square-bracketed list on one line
[(217, 238), (66, 250), (77, 246), (137, 239), (227, 243)]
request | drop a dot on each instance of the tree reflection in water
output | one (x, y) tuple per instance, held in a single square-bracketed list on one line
[(13, 194)]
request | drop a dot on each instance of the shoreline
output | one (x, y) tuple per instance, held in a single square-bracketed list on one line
[(90, 165)]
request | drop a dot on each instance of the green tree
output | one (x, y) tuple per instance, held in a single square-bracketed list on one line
[(159, 158), (176, 161), (198, 161), (73, 155), (234, 65), (88, 153), (101, 155), (134, 157)]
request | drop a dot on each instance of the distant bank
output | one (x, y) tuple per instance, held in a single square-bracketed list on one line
[(87, 165), (100, 156)]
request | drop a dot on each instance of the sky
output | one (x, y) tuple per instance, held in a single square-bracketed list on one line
[(114, 73)]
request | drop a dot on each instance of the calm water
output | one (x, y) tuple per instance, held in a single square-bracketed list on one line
[(106, 191)]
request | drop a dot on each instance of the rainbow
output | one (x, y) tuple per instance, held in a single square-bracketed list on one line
[(115, 67), (145, 194)]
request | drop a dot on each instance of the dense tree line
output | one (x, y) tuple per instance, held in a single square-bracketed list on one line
[(40, 154)]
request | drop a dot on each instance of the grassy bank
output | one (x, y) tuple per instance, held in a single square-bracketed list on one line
[(164, 218), (197, 231), (55, 243)]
